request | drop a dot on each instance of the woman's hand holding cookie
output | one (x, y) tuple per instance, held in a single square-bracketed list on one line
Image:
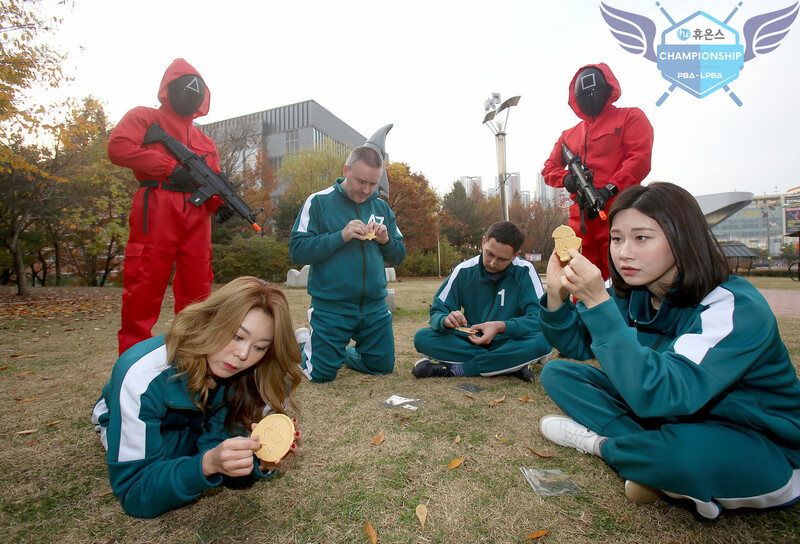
[(232, 457), (276, 436), (583, 280), (557, 292)]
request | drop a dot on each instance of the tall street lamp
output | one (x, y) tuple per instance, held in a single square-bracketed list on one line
[(498, 127)]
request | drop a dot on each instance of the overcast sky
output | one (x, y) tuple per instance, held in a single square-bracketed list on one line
[(429, 66)]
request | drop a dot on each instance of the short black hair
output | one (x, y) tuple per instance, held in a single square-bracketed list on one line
[(506, 233), (700, 260)]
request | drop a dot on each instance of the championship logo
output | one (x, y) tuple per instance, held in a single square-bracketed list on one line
[(700, 54)]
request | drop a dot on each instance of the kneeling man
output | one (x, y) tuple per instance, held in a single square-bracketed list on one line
[(485, 317)]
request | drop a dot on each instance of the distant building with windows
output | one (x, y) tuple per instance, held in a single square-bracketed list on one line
[(471, 181), (556, 196), (285, 130), (763, 222)]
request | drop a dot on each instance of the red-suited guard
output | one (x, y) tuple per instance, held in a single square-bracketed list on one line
[(614, 143), (166, 231)]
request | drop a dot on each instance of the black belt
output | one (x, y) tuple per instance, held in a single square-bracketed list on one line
[(166, 186), (153, 184)]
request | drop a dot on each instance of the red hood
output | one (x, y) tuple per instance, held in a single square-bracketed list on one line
[(178, 68), (611, 81)]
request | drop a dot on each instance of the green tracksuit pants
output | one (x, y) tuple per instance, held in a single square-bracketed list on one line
[(502, 356), (327, 348), (702, 460)]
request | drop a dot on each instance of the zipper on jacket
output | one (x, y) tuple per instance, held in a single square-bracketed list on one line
[(491, 307), (363, 274)]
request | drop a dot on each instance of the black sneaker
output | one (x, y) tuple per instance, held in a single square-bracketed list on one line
[(426, 368), (526, 374)]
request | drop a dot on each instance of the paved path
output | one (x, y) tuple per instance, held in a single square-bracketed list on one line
[(783, 303)]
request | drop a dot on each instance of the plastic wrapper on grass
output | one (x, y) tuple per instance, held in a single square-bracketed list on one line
[(550, 482)]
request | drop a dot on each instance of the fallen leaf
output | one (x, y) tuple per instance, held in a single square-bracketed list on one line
[(469, 396), (373, 536), (497, 436), (454, 463), (29, 431), (540, 454), (26, 400), (378, 439), (4, 367), (22, 356), (409, 478), (369, 379), (496, 402), (54, 423), (26, 372), (106, 494), (537, 534), (422, 514), (526, 398), (457, 440)]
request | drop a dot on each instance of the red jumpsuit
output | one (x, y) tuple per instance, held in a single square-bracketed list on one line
[(616, 145), (165, 229)]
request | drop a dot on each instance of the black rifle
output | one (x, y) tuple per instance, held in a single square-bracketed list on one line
[(208, 182), (587, 198)]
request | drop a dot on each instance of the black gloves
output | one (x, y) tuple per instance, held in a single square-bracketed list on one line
[(181, 179), (224, 212), (571, 183), (605, 194)]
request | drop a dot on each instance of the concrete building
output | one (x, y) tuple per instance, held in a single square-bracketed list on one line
[(284, 130)]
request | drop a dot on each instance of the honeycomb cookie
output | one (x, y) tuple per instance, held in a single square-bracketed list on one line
[(565, 240), (370, 235), (276, 434), (467, 330)]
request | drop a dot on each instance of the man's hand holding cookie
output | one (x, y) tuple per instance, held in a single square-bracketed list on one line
[(380, 230), (354, 229), (455, 319)]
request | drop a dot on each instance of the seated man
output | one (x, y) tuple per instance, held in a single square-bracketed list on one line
[(496, 294)]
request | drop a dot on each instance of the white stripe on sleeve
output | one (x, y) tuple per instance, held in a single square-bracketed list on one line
[(535, 279), (716, 323), (138, 378), (466, 264), (302, 226)]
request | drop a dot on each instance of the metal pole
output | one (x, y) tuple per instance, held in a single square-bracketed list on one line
[(501, 174)]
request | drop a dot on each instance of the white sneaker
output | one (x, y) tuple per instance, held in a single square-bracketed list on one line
[(709, 510), (302, 335), (566, 432)]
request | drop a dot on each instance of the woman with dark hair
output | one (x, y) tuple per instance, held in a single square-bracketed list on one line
[(176, 415), (695, 396)]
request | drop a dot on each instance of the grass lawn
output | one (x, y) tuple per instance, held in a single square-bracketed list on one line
[(57, 352)]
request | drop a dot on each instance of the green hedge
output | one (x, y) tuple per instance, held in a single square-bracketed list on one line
[(265, 257)]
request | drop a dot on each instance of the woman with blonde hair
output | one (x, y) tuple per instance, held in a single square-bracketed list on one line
[(176, 415)]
